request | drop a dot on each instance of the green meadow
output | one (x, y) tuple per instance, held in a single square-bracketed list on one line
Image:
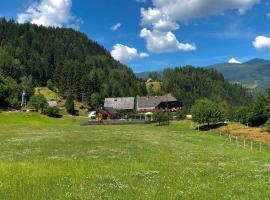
[(44, 158)]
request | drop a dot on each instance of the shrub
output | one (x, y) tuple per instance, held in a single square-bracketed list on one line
[(161, 117), (52, 111), (95, 100), (206, 111), (267, 126), (179, 115), (70, 105), (38, 102), (239, 115), (258, 115), (50, 85)]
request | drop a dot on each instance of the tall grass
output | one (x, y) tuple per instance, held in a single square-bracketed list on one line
[(43, 158)]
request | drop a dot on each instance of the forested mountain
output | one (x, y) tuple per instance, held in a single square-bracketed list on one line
[(68, 60), (146, 75), (253, 74), (190, 84), (72, 64)]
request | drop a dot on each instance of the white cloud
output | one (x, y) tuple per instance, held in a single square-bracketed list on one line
[(261, 42), (234, 61), (161, 39), (116, 26), (186, 9), (163, 18), (126, 54), (55, 13), (165, 25), (150, 16), (164, 42)]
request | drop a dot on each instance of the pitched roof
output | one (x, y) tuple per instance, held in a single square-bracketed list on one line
[(110, 110), (154, 101), (125, 103)]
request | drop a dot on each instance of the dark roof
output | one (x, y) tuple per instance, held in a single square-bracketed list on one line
[(107, 110), (102, 111), (154, 101), (110, 110), (124, 103)]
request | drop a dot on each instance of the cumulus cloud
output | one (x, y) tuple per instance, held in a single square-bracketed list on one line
[(261, 42), (116, 26), (164, 42), (161, 39), (186, 9), (126, 54), (234, 61), (163, 18), (55, 13)]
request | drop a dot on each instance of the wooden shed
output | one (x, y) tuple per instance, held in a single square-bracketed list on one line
[(106, 113)]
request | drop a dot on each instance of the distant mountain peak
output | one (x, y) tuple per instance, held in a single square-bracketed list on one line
[(234, 61), (256, 61)]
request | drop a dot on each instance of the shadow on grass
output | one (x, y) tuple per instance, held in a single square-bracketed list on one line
[(211, 126)]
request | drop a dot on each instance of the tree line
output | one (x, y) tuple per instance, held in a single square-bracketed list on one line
[(255, 114), (189, 84), (78, 68), (63, 59)]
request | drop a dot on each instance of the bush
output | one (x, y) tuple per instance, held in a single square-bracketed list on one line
[(161, 117), (70, 105), (179, 115), (38, 102), (95, 100), (206, 111), (52, 111), (267, 126), (50, 85), (239, 115)]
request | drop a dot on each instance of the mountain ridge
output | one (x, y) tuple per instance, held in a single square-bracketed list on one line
[(254, 74)]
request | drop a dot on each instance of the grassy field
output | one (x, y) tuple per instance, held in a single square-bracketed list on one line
[(42, 158), (48, 94), (155, 86)]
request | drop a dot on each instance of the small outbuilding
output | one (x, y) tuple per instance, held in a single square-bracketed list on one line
[(106, 113)]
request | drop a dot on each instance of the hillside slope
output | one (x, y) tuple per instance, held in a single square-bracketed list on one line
[(254, 74), (189, 84), (68, 59)]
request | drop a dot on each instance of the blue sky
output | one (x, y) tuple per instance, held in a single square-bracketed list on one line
[(154, 34)]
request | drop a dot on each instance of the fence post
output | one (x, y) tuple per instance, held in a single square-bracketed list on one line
[(244, 143), (251, 145), (236, 140), (230, 138)]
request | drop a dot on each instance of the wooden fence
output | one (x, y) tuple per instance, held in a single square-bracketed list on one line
[(245, 143), (241, 142)]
